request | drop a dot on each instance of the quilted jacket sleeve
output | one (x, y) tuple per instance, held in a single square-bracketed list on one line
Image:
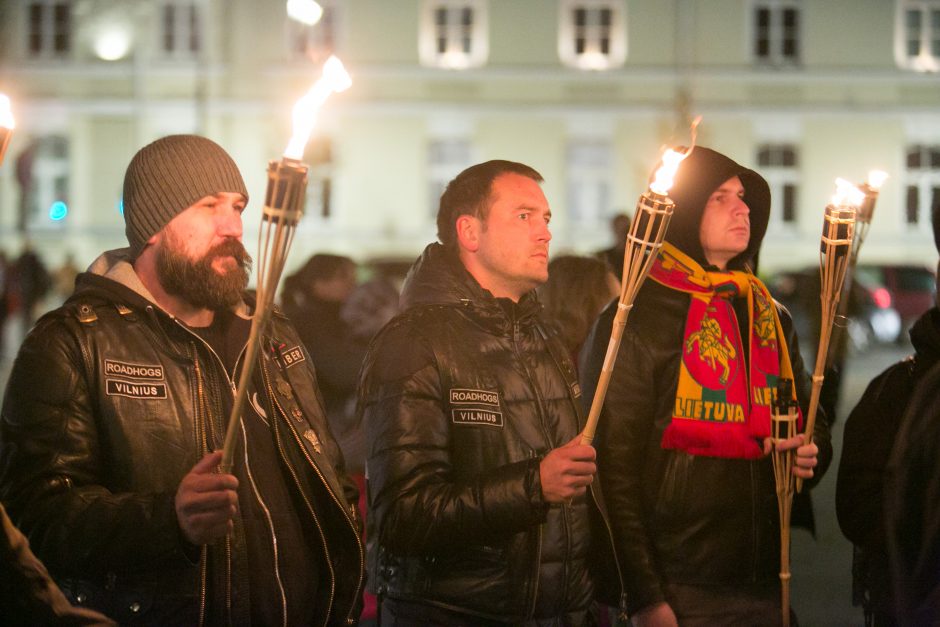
[(54, 467), (419, 507)]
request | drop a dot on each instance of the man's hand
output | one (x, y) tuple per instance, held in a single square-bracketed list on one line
[(805, 459), (659, 615), (206, 501), (567, 471)]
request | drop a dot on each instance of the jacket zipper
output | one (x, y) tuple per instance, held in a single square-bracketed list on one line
[(204, 447), (548, 440), (273, 397), (267, 517)]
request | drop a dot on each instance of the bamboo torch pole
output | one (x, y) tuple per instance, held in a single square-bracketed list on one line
[(784, 419), (284, 202), (838, 230), (866, 211), (653, 213)]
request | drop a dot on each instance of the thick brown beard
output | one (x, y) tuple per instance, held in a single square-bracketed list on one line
[(197, 282)]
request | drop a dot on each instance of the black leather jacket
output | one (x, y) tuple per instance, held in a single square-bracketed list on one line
[(681, 518), (462, 394), (105, 413)]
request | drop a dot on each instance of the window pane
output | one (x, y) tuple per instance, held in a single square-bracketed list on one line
[(789, 157), (605, 17), (440, 17), (580, 17), (913, 157), (935, 157), (169, 28), (763, 156), (911, 210), (466, 17), (194, 29), (35, 28), (62, 25), (789, 203)]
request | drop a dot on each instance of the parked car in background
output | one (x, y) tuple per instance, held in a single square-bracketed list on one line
[(870, 320), (908, 288)]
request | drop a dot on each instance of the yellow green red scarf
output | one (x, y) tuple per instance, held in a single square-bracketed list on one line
[(723, 401)]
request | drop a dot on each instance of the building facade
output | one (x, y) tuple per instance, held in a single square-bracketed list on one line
[(586, 91)]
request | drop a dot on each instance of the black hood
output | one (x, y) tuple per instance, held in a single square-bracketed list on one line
[(700, 174), (439, 278)]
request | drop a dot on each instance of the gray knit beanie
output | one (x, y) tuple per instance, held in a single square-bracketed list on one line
[(168, 176)]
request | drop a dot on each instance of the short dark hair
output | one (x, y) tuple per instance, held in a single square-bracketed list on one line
[(469, 194)]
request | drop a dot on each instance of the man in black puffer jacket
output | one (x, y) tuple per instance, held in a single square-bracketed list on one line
[(118, 399), (477, 481), (683, 439)]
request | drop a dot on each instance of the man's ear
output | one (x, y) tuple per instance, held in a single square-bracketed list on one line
[(468, 232)]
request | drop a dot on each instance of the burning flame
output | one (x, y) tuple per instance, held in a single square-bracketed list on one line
[(662, 180), (6, 115), (334, 79), (665, 175), (847, 194), (876, 179)]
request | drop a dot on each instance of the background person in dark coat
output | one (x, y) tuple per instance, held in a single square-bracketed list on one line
[(870, 435)]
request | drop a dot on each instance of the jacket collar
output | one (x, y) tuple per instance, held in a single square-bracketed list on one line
[(438, 278)]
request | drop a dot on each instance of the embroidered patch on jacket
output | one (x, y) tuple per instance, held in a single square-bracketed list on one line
[(292, 356), (461, 396), (125, 369), (471, 416), (115, 387)]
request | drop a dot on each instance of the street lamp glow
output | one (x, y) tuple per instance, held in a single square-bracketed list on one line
[(306, 12), (112, 44)]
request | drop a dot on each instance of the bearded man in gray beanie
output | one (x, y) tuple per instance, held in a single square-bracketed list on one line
[(117, 405)]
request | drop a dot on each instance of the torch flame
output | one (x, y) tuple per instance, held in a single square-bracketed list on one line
[(663, 179), (334, 79), (876, 179), (847, 194), (6, 115)]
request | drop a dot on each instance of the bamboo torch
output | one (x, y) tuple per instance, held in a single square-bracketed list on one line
[(783, 422), (866, 210), (6, 126), (283, 207), (653, 213), (834, 253)]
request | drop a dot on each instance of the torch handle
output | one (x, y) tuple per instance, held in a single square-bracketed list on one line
[(603, 382)]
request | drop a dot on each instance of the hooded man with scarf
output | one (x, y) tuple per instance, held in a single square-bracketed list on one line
[(117, 406), (478, 485), (684, 436)]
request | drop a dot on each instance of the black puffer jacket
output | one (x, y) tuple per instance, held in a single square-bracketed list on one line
[(461, 395), (680, 518), (106, 411)]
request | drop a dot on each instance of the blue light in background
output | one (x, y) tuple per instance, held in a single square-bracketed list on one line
[(58, 210), (120, 206)]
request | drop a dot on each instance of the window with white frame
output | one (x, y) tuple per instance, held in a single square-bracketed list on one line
[(315, 42), (453, 33), (777, 32), (181, 28), (917, 35), (780, 166), (922, 184), (446, 159), (49, 28), (589, 169), (592, 34), (43, 173), (319, 158)]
